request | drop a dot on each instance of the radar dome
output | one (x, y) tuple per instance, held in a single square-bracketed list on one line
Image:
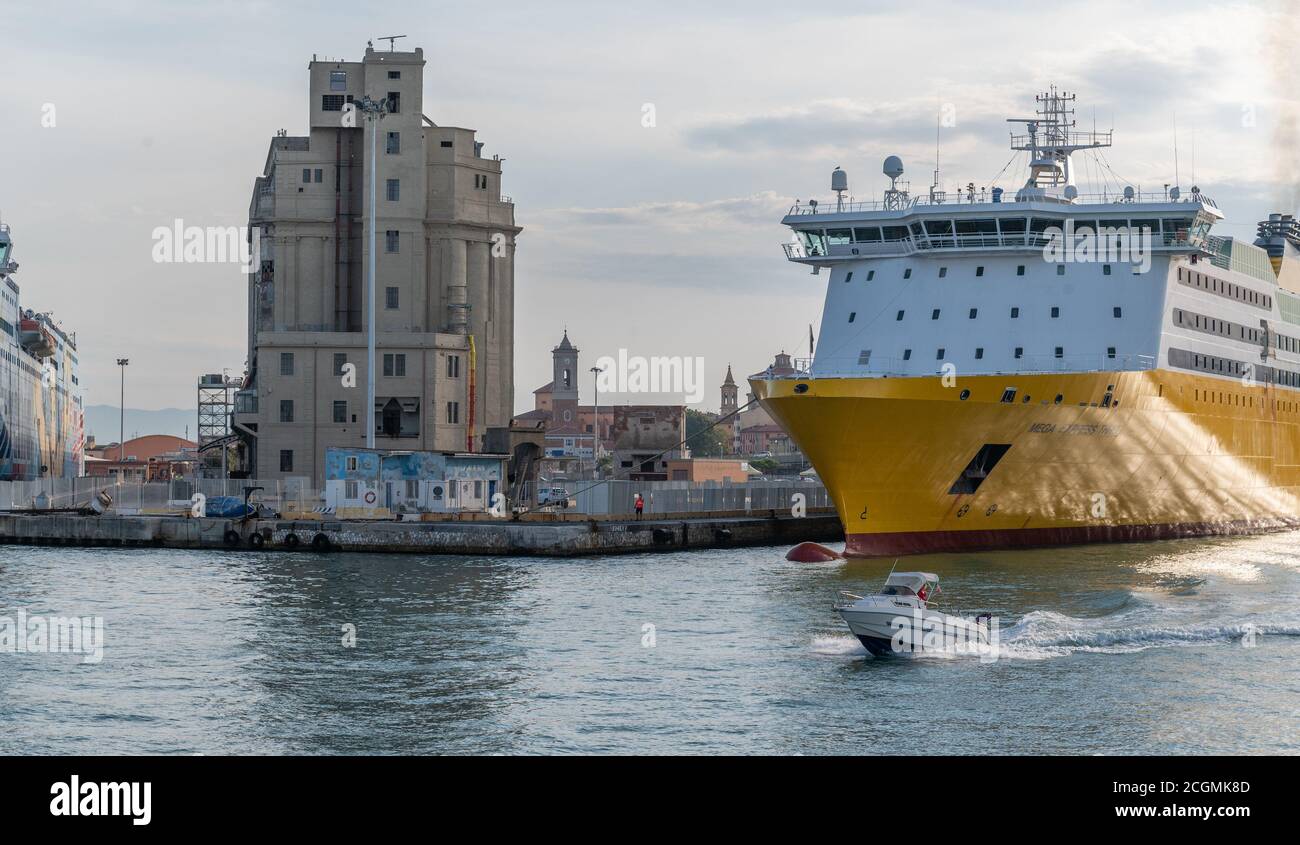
[(839, 180), (1071, 192), (1174, 193), (1128, 192), (893, 167)]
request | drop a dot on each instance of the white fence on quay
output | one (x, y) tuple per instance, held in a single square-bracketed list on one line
[(588, 497)]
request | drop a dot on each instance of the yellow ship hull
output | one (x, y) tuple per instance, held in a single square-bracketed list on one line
[(1122, 456)]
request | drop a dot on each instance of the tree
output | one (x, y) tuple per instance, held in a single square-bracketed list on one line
[(709, 443)]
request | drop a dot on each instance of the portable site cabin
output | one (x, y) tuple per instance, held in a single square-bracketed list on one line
[(374, 480)]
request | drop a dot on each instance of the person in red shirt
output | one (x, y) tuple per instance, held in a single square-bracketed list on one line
[(640, 505)]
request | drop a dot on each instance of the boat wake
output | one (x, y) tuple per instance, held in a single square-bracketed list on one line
[(1044, 634)]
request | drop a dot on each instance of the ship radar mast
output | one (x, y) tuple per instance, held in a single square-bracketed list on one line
[(1050, 140)]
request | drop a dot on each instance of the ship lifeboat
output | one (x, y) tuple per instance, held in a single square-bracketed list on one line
[(36, 338)]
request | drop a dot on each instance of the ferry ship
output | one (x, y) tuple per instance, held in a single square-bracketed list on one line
[(989, 376), (41, 424)]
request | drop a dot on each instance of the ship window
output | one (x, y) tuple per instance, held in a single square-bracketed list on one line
[(974, 312), (1056, 311), (864, 357), (1020, 270), (979, 468), (1012, 225), (938, 227), (1110, 352), (907, 354), (1060, 269), (934, 315), (1059, 399), (867, 236), (1060, 352), (939, 356), (979, 353), (943, 271), (871, 274), (1020, 351), (838, 237), (964, 395), (1009, 395), (977, 227), (853, 315), (1015, 313), (1041, 224), (979, 271), (894, 233), (848, 277), (907, 274), (1118, 312), (1105, 269), (899, 318)]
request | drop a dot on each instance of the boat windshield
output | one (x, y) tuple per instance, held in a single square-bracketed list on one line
[(896, 590)]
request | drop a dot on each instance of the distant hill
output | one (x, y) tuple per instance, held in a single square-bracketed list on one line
[(102, 422)]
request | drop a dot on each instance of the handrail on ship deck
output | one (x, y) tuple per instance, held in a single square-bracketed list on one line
[(907, 246), (1038, 364), (858, 206)]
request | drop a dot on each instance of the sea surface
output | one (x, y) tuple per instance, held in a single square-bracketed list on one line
[(1185, 647)]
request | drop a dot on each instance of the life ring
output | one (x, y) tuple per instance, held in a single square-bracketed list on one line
[(321, 543), (231, 537), (370, 497), (256, 540), (291, 540)]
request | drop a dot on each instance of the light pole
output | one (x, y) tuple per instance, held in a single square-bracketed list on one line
[(374, 110), (595, 428), (121, 407)]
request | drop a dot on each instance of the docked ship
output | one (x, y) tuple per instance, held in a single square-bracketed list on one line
[(41, 425), (1046, 367)]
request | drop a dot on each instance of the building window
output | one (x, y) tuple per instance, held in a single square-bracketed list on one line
[(306, 175), (286, 363), (390, 240), (286, 410), (445, 144), (340, 411), (390, 298), (338, 80), (453, 366), (395, 365), (394, 102), (351, 489), (340, 359), (1015, 313), (286, 460), (1118, 312), (453, 413), (394, 143), (899, 318), (331, 102), (319, 175), (393, 190)]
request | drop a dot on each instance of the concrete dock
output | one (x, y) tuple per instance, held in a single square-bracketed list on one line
[(556, 535)]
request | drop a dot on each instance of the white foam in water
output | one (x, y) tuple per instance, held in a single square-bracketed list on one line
[(1044, 634), (838, 646)]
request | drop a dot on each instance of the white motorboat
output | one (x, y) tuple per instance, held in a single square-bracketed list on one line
[(898, 620)]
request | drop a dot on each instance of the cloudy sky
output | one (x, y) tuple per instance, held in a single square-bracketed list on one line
[(664, 240)]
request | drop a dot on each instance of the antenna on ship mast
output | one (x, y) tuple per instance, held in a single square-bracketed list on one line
[(1051, 139), (935, 194)]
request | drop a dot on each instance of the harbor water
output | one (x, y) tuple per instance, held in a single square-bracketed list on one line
[(1180, 647)]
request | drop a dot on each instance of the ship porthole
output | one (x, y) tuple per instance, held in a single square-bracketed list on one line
[(801, 388), (1026, 399), (1059, 398), (965, 394)]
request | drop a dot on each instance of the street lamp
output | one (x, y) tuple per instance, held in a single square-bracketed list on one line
[(121, 407), (374, 110), (595, 427)]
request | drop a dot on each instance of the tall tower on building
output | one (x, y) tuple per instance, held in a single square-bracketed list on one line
[(564, 385), (730, 403), (444, 281)]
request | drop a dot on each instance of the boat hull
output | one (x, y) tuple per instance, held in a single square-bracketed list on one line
[(929, 464)]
